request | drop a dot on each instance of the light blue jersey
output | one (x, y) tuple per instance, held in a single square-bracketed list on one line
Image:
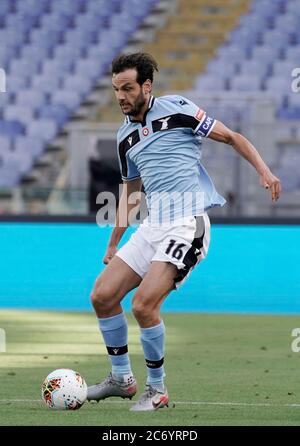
[(164, 150)]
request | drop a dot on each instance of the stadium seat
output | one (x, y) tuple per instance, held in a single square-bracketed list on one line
[(80, 84), (11, 128), (30, 98), (279, 84), (246, 83), (9, 173), (46, 84), (210, 83), (89, 67), (292, 113), (67, 98), (23, 159), (27, 68), (17, 83), (31, 145), (58, 113), (265, 54), (44, 129), (254, 68), (5, 144), (23, 114)]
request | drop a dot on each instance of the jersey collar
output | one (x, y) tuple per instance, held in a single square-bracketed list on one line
[(143, 122)]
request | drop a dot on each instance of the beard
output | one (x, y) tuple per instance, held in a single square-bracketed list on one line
[(137, 106)]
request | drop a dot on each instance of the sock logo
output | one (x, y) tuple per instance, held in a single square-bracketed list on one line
[(116, 351), (154, 364)]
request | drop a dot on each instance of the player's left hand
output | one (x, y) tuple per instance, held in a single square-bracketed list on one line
[(270, 181)]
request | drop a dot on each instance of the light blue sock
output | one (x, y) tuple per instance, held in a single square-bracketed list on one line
[(153, 340), (115, 334)]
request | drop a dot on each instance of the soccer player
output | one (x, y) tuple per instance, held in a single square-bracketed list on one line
[(159, 147)]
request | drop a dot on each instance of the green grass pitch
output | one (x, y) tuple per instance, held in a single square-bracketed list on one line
[(221, 370)]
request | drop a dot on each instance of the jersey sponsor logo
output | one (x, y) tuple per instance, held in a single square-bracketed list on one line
[(145, 131), (200, 114), (164, 122), (205, 126)]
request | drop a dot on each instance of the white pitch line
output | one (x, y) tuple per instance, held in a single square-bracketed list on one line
[(186, 403)]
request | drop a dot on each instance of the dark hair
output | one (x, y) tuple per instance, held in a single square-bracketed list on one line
[(144, 64)]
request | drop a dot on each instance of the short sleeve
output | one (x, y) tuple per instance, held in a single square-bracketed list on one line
[(203, 124)]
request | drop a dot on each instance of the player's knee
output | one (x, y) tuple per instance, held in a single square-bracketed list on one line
[(140, 308), (102, 297)]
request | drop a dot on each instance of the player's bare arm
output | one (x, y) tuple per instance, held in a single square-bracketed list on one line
[(243, 146), (129, 201)]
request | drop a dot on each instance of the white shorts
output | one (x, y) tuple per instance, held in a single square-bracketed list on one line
[(184, 244)]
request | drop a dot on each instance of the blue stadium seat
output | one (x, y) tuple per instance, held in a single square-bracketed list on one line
[(276, 38), (22, 22), (68, 50), (35, 7), (246, 83), (89, 67), (11, 128), (210, 83), (44, 129), (283, 68), (32, 145), (27, 68), (58, 113), (23, 114), (5, 144), (292, 53), (69, 99), (57, 67), (30, 98), (81, 84), (46, 84), (9, 173), (6, 98), (255, 68), (289, 113), (56, 22), (24, 160), (245, 38), (293, 99), (35, 52), (265, 54), (279, 84), (221, 68)]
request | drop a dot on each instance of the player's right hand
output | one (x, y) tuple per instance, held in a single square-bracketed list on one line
[(111, 251)]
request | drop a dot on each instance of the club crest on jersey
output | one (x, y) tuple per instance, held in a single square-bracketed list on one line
[(145, 131), (164, 122)]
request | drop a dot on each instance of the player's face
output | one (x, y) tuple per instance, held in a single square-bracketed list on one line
[(132, 96)]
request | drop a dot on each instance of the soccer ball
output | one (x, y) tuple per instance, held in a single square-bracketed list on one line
[(64, 389)]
